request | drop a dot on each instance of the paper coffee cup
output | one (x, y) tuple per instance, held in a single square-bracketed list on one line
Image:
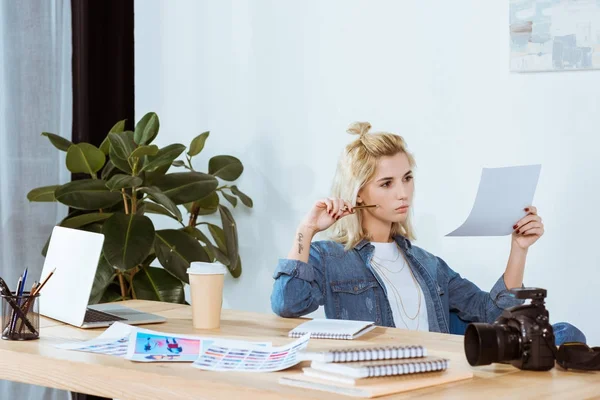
[(206, 289)]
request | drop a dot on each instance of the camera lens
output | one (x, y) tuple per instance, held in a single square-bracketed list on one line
[(488, 343)]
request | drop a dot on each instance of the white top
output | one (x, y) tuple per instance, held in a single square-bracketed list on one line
[(403, 291)]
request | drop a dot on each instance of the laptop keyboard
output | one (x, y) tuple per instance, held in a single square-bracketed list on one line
[(99, 316)]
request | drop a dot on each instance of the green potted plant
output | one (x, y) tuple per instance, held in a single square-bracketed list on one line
[(130, 177)]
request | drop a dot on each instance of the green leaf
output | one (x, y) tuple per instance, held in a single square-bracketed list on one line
[(121, 145), (243, 197), (84, 219), (146, 129), (236, 270), (225, 167), (198, 144), (120, 181), (159, 197), (154, 208), (215, 251), (128, 240), (145, 151), (44, 193), (219, 236), (112, 293), (165, 156), (207, 205), (156, 284), (231, 237), (57, 141), (85, 158), (117, 128), (87, 194), (119, 163), (105, 274), (178, 163), (186, 187), (108, 170), (176, 250), (230, 198)]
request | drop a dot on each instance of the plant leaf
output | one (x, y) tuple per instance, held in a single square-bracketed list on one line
[(146, 129), (44, 193), (178, 163), (84, 219), (108, 170), (117, 128), (105, 274), (112, 293), (87, 194), (198, 144), (231, 237), (85, 158), (225, 167), (156, 284), (165, 156), (236, 271), (219, 236), (230, 198), (128, 239), (207, 205), (121, 145), (243, 197), (145, 151), (159, 197), (186, 187), (154, 208), (215, 251), (120, 181), (176, 250), (58, 141)]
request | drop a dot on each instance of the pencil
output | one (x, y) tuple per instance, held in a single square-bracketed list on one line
[(360, 207), (41, 285)]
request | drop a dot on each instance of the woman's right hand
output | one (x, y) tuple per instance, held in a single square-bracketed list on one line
[(326, 212)]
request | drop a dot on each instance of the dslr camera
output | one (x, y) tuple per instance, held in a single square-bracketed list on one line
[(521, 336)]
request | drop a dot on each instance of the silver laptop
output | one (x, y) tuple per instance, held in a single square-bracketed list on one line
[(75, 254)]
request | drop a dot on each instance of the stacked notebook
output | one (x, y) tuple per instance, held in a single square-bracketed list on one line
[(320, 328), (373, 372)]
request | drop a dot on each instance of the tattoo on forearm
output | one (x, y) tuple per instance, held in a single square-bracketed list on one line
[(300, 245)]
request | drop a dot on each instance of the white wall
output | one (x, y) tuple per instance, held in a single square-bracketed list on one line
[(277, 83)]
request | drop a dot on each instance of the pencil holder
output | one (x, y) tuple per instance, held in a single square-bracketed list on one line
[(20, 316)]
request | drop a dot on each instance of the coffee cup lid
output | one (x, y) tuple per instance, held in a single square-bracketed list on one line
[(205, 268)]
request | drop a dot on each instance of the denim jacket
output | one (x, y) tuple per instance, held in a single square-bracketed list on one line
[(345, 283)]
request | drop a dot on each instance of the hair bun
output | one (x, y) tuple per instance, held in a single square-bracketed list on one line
[(359, 128)]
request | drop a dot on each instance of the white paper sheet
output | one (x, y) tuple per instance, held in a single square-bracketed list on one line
[(146, 345), (220, 356), (112, 341), (501, 199)]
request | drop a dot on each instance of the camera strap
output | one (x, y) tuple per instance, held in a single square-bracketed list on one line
[(576, 355)]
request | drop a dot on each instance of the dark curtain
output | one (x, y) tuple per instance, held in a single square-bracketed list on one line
[(103, 75)]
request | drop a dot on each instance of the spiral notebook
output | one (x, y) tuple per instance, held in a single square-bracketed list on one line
[(320, 328), (364, 354), (372, 387), (371, 369)]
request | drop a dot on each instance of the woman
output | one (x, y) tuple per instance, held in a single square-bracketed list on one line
[(370, 270)]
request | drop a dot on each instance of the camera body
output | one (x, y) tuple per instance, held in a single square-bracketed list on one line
[(521, 336)]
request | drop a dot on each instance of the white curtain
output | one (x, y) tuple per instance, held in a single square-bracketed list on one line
[(35, 96)]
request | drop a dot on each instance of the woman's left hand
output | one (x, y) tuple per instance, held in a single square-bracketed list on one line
[(528, 230)]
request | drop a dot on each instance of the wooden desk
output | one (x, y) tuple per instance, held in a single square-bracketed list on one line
[(39, 362)]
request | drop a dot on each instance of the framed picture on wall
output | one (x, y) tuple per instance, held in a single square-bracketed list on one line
[(554, 35)]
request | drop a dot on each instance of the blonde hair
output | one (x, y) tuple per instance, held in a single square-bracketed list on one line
[(356, 167)]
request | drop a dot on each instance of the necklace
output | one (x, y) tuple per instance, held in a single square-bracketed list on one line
[(397, 295), (391, 261), (399, 303), (394, 260)]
